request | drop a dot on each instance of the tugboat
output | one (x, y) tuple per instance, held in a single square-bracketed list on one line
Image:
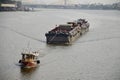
[(29, 59), (67, 33)]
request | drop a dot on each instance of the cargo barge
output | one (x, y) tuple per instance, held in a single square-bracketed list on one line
[(67, 33)]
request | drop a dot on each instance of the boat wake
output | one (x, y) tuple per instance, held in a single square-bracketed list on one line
[(94, 40), (22, 34), (17, 64), (43, 41), (27, 36)]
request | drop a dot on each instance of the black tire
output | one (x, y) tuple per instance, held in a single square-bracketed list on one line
[(38, 61), (20, 61)]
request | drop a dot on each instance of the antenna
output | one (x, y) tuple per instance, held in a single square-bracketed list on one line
[(28, 46), (65, 2)]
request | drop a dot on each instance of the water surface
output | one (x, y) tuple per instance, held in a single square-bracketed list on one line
[(94, 56)]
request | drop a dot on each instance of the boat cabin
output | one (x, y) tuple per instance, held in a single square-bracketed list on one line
[(29, 59), (29, 56)]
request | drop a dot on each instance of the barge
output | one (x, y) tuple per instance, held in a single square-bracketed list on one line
[(67, 33)]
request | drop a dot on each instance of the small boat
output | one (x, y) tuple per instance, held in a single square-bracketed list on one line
[(29, 59), (67, 33)]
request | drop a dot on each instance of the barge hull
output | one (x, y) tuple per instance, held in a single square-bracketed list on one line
[(57, 39)]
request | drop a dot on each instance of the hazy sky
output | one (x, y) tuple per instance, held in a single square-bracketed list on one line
[(71, 1)]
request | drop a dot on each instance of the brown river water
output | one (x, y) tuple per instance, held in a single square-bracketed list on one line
[(94, 56)]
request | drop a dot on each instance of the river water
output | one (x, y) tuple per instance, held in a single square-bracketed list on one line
[(94, 56)]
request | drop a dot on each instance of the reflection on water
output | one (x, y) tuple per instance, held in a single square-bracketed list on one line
[(53, 45), (26, 73), (27, 70)]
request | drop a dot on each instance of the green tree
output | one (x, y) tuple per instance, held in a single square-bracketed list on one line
[(5, 1)]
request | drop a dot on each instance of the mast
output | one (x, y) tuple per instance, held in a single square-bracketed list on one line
[(65, 2)]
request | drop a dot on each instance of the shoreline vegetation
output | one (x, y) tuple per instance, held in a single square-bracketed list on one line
[(95, 6), (11, 5), (7, 5)]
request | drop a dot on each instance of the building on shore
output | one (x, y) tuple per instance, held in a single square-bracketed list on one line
[(8, 7), (12, 6)]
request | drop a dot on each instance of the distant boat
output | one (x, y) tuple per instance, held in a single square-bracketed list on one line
[(67, 33), (29, 59)]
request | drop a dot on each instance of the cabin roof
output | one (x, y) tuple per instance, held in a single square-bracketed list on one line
[(72, 22), (30, 53), (65, 25)]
